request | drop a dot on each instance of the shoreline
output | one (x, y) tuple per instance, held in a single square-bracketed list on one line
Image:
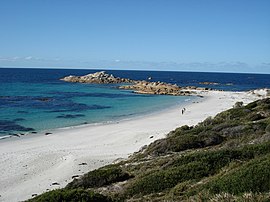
[(31, 166), (136, 116)]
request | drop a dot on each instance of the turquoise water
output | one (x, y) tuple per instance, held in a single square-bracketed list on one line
[(35, 99), (27, 107)]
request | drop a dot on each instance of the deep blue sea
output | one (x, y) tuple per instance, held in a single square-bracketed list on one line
[(33, 100)]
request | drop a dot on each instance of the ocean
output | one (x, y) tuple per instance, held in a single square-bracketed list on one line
[(34, 100)]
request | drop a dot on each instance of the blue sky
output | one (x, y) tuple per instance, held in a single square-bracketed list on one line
[(183, 35)]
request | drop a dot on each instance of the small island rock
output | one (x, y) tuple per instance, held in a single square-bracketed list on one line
[(98, 77), (159, 88)]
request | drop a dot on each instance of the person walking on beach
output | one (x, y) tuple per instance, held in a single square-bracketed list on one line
[(183, 110)]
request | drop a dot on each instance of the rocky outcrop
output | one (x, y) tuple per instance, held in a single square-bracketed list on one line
[(141, 87), (98, 77), (159, 88)]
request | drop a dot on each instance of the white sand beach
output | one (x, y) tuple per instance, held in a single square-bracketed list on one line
[(31, 165)]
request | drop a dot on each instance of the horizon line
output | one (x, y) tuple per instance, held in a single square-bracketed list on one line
[(156, 70)]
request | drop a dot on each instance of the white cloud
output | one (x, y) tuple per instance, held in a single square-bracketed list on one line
[(28, 58), (9, 58)]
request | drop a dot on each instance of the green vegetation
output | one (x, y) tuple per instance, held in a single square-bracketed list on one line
[(198, 165), (74, 195), (253, 176), (101, 177), (225, 158)]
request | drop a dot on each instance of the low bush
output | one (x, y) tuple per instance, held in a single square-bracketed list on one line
[(193, 167), (183, 142), (100, 177), (73, 195), (164, 179), (252, 177)]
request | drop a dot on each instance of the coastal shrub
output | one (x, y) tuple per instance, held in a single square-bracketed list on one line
[(231, 131), (267, 129), (234, 115), (193, 167), (255, 116), (184, 142), (198, 137), (100, 177), (168, 178), (181, 188), (73, 195), (187, 168), (207, 122), (217, 159), (254, 111), (235, 123), (252, 177), (257, 150), (179, 131), (252, 105), (237, 113), (245, 133), (185, 128), (224, 125), (263, 104), (199, 128), (205, 196)]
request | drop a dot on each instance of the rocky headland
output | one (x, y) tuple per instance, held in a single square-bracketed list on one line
[(141, 87)]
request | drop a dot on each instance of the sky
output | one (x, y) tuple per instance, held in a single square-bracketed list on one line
[(179, 35)]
